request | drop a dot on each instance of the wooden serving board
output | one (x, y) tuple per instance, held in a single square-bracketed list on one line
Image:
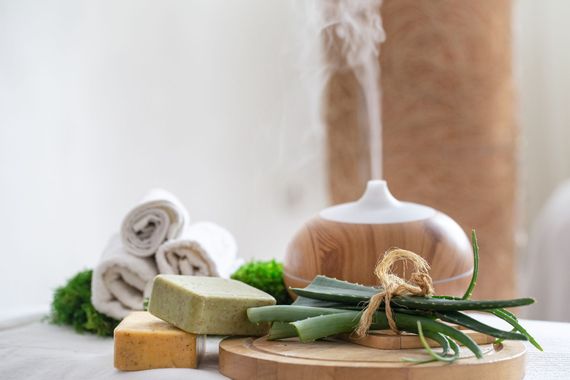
[(252, 359)]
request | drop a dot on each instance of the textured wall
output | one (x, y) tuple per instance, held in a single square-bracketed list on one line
[(449, 133)]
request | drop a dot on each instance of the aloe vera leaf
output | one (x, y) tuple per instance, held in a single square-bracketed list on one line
[(447, 298), (286, 313), (435, 336), (505, 311), (330, 289), (335, 294), (314, 328), (409, 323), (424, 303), (500, 340), (281, 330), (514, 322), (435, 356), (450, 342), (473, 282), (355, 297), (311, 329), (328, 282), (454, 346), (439, 338), (473, 324), (304, 301), (422, 313)]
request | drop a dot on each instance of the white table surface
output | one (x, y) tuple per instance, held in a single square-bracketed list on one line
[(32, 349)]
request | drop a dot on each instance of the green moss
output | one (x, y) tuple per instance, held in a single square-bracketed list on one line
[(266, 276), (72, 306)]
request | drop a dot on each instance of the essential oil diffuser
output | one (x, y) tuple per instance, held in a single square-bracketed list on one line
[(346, 241)]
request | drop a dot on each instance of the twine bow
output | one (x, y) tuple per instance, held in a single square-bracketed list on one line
[(420, 284)]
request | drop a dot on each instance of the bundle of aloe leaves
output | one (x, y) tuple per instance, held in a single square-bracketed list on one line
[(328, 307)]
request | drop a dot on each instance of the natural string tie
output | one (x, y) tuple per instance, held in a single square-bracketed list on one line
[(420, 284)]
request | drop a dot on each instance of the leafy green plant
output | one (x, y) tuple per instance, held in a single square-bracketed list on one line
[(266, 276), (72, 306)]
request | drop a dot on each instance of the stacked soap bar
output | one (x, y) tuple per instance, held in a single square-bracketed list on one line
[(143, 341), (207, 305)]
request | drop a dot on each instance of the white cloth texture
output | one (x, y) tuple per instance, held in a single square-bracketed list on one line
[(38, 351), (121, 281), (203, 249), (35, 350), (159, 216)]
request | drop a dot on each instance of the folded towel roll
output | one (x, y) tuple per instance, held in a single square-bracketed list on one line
[(204, 249), (158, 217), (121, 281)]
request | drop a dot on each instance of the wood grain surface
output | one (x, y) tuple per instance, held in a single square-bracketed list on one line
[(350, 251), (249, 359), (387, 340)]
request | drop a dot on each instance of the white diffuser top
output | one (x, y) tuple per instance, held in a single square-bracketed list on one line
[(377, 206)]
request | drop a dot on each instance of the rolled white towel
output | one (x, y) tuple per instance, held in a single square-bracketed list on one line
[(121, 281), (158, 217), (204, 249)]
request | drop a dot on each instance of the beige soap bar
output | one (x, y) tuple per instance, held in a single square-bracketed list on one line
[(143, 341), (207, 305)]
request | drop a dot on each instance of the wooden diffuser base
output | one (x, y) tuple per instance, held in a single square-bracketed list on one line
[(350, 250)]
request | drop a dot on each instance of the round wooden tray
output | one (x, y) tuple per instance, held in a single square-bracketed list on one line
[(251, 359)]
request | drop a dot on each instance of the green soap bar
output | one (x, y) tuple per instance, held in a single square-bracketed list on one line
[(207, 305)]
